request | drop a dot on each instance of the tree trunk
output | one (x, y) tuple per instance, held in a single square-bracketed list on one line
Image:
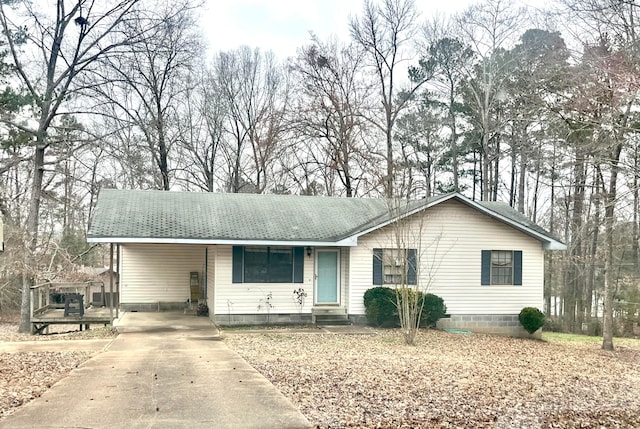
[(31, 237), (522, 179), (636, 208), (454, 137), (591, 275), (484, 195), (575, 272), (609, 280)]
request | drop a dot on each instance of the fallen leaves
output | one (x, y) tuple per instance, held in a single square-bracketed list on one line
[(447, 380), (26, 376), (9, 332)]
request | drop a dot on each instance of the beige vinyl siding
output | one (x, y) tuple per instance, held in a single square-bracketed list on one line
[(245, 298), (153, 273), (453, 236)]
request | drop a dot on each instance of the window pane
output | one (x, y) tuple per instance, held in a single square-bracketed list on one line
[(281, 265), (394, 265), (256, 264), (501, 267), (502, 276)]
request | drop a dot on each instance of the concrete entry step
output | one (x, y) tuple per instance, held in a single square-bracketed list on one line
[(329, 321), (327, 316)]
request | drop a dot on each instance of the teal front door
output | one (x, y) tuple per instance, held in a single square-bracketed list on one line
[(327, 270)]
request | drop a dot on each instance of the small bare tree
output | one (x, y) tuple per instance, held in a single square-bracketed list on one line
[(414, 262)]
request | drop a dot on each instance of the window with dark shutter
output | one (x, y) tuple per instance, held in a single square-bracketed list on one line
[(261, 264), (395, 266), (501, 267)]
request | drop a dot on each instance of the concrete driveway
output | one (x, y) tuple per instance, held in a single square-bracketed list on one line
[(165, 370)]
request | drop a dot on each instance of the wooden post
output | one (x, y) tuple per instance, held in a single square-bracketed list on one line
[(31, 309), (118, 279), (111, 282)]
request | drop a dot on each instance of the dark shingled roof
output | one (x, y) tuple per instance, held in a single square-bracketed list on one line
[(162, 215)]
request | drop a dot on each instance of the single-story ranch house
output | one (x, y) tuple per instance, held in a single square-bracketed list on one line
[(283, 258)]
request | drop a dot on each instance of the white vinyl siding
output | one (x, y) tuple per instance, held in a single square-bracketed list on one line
[(153, 273), (211, 277), (245, 298), (344, 276), (453, 237)]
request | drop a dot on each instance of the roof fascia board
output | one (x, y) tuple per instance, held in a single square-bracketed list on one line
[(554, 245), (350, 241)]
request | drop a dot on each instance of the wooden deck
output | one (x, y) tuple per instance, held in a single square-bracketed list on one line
[(45, 312), (55, 316)]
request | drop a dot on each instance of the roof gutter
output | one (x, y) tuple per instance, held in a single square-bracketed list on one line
[(349, 241)]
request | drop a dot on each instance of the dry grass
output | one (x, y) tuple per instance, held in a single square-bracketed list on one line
[(448, 380)]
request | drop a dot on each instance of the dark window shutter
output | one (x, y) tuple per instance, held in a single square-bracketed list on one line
[(298, 264), (485, 278), (377, 266), (237, 264), (517, 267), (412, 259)]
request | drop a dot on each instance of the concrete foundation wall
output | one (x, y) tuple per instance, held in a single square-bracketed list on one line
[(500, 324), (261, 319), (155, 306), (358, 319)]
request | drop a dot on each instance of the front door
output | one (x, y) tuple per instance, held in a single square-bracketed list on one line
[(327, 276)]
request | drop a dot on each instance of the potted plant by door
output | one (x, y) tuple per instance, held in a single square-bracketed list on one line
[(202, 310)]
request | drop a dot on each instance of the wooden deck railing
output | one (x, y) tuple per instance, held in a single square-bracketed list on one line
[(41, 295)]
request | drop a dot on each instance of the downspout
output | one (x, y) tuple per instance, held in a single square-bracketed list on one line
[(117, 280), (111, 283)]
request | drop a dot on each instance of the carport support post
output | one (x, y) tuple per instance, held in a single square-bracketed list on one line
[(111, 282), (118, 280)]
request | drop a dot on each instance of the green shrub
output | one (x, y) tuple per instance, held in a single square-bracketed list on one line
[(433, 310), (433, 307), (531, 319), (381, 310), (380, 307)]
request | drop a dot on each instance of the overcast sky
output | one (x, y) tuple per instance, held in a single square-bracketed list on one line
[(284, 25)]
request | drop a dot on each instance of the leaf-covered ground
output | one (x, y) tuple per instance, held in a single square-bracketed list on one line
[(9, 332), (448, 380), (26, 376)]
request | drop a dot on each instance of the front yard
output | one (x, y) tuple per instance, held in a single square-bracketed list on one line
[(449, 380), (25, 376)]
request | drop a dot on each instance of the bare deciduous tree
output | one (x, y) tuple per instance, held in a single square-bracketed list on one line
[(329, 113), (66, 42), (489, 27), (153, 76), (384, 31), (256, 92)]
